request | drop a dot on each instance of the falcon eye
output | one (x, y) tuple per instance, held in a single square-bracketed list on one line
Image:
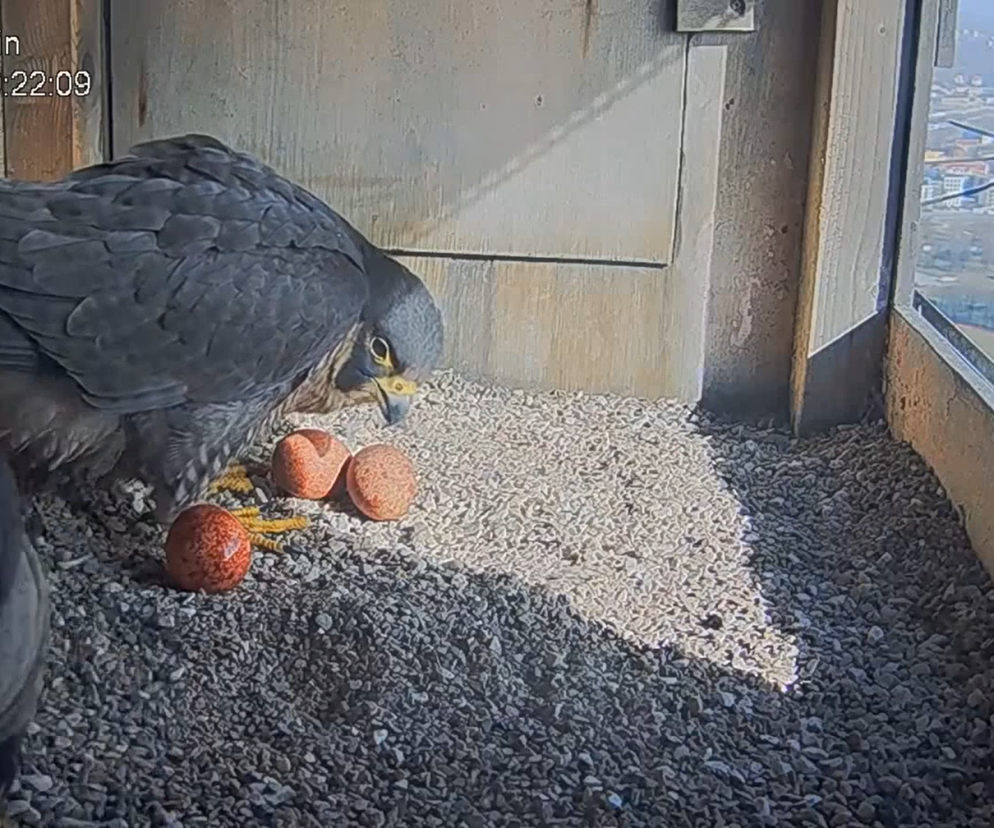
[(380, 350)]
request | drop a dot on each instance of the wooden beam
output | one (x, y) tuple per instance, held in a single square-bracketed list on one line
[(930, 35), (47, 135), (841, 322), (945, 46)]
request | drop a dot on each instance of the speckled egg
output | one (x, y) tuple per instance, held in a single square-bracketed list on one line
[(382, 482), (310, 463), (207, 549)]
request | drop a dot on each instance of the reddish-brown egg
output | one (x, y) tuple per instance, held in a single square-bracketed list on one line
[(382, 482), (310, 463), (207, 549)]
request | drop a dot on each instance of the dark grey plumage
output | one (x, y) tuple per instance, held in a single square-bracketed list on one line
[(157, 311), (24, 617)]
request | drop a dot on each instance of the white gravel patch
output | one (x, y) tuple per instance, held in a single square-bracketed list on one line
[(600, 611), (610, 501)]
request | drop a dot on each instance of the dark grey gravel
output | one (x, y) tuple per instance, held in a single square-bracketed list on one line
[(601, 612)]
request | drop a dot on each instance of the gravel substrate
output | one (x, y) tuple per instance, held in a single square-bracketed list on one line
[(600, 612)]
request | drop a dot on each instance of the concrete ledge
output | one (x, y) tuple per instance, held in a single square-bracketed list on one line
[(945, 410)]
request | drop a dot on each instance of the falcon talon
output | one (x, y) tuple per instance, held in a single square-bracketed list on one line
[(242, 485), (234, 479), (274, 526), (258, 527), (268, 544), (251, 518), (244, 299)]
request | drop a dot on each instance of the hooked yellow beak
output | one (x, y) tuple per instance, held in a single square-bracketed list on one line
[(394, 394)]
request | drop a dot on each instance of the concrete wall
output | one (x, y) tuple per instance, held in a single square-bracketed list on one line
[(947, 419), (762, 187)]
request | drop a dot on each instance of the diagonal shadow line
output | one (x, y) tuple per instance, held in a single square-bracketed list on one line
[(531, 153)]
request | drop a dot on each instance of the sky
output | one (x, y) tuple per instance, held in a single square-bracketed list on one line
[(976, 14)]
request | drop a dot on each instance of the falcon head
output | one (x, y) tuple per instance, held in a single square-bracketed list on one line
[(398, 342)]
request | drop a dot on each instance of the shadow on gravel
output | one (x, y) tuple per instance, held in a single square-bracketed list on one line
[(863, 559), (372, 687), (383, 691)]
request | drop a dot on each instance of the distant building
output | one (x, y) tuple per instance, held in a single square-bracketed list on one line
[(964, 147), (978, 168), (954, 184)]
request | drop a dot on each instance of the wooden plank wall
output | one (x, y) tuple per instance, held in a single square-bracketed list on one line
[(47, 136), (598, 328), (717, 322), (619, 99), (841, 319), (512, 128)]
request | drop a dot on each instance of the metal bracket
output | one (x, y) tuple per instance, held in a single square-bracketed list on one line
[(716, 15)]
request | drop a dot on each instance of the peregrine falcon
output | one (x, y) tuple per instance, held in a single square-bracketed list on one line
[(157, 312), (24, 617)]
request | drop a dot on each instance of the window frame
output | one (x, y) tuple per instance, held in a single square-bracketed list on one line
[(937, 19)]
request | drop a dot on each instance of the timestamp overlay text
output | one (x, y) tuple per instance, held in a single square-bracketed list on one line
[(54, 81)]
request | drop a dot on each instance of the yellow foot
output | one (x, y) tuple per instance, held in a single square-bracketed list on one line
[(234, 479), (258, 527)]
